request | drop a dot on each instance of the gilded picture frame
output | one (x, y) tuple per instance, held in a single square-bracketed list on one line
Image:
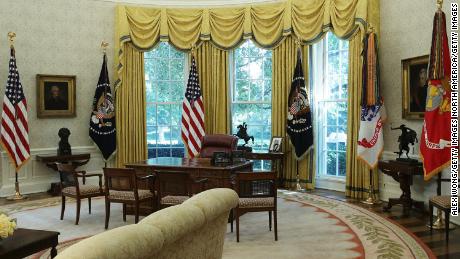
[(56, 96), (415, 85)]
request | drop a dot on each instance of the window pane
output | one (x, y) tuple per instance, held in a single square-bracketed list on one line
[(251, 101), (257, 87), (165, 86), (177, 69), (151, 115), (331, 77), (242, 90), (331, 163), (342, 163)]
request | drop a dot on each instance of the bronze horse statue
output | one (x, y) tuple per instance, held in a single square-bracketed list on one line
[(243, 134), (408, 136)]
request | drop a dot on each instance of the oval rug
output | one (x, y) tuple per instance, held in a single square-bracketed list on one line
[(310, 226)]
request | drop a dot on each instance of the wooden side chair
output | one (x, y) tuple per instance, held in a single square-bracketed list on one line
[(441, 202), (121, 186), (71, 187), (257, 192), (176, 187)]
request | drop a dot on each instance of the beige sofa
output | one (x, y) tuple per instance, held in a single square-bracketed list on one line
[(194, 229)]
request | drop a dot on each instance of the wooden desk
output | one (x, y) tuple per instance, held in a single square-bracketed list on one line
[(218, 176), (76, 160), (25, 242), (402, 173)]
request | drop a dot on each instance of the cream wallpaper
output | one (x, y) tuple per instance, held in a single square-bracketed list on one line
[(406, 28), (58, 37)]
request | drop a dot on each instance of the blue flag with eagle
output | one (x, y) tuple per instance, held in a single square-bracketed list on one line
[(299, 123), (102, 122)]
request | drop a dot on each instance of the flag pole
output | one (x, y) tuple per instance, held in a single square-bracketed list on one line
[(17, 194)]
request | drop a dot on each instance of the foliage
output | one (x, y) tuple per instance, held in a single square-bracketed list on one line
[(7, 226)]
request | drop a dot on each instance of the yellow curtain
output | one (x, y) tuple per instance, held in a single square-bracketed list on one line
[(267, 24), (284, 60), (357, 172), (213, 73), (130, 109)]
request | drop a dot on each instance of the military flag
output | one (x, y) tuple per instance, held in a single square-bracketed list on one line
[(435, 140), (370, 136), (299, 122), (102, 121)]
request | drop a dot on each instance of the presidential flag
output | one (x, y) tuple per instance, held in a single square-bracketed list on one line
[(435, 140), (370, 136), (102, 121), (15, 128), (299, 123), (193, 114)]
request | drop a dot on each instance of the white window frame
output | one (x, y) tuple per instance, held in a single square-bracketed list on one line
[(179, 102), (319, 60)]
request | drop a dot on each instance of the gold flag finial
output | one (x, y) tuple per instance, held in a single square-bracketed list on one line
[(11, 36), (104, 45), (439, 4)]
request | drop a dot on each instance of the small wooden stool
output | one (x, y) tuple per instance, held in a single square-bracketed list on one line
[(441, 202)]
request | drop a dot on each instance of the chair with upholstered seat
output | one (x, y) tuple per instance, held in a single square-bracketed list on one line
[(441, 202), (217, 143), (257, 192), (121, 186), (71, 187), (176, 187)]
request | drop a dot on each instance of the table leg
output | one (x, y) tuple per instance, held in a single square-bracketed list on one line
[(53, 252)]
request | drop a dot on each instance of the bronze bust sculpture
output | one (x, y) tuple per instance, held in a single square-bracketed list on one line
[(64, 146)]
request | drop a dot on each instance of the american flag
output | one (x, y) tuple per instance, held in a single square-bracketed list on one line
[(15, 129), (193, 114)]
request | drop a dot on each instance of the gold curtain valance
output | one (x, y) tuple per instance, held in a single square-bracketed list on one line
[(266, 24)]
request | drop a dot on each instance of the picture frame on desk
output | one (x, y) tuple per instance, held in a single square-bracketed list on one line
[(276, 144)]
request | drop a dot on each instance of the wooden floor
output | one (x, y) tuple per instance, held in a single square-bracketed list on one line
[(416, 223)]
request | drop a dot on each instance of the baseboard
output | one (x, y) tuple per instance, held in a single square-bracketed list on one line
[(36, 177)]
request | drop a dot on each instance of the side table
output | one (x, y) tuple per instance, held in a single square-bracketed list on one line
[(25, 242), (403, 173), (76, 160), (276, 159)]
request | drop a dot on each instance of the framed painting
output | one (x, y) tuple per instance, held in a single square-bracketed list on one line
[(56, 96), (415, 85)]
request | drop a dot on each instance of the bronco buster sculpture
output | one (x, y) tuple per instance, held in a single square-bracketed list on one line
[(243, 134), (408, 136)]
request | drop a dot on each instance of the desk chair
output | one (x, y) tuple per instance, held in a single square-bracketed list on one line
[(217, 143)]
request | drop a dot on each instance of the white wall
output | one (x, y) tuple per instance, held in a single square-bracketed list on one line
[(57, 37), (406, 28)]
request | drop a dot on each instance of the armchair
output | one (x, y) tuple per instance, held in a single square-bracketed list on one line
[(71, 187), (121, 187)]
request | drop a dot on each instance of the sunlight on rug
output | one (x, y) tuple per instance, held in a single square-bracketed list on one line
[(309, 226)]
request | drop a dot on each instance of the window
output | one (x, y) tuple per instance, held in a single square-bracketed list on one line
[(330, 70), (251, 93), (165, 78)]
